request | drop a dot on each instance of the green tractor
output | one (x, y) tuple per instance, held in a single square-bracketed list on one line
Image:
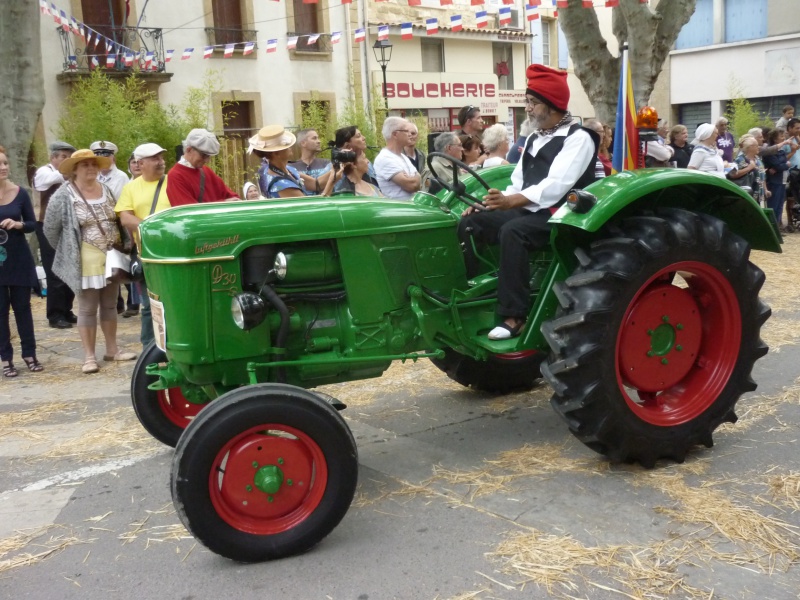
[(645, 321)]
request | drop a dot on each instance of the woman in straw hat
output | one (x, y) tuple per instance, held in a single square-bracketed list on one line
[(17, 271), (276, 178), (82, 226)]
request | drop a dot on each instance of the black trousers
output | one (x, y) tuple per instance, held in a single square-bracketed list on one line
[(518, 231), (18, 298), (59, 297)]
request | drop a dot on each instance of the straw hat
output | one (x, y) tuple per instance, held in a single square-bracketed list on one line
[(271, 138), (68, 166)]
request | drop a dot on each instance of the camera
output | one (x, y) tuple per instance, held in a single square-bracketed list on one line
[(339, 156)]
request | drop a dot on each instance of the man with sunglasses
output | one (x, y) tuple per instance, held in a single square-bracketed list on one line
[(558, 156), (190, 180), (112, 177)]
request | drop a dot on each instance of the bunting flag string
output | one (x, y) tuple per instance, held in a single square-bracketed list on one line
[(114, 51)]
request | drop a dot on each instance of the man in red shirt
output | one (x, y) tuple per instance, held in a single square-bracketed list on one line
[(190, 181)]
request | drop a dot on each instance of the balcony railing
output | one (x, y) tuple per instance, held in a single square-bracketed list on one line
[(221, 37), (145, 44), (323, 44)]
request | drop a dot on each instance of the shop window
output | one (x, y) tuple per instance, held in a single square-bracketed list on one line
[(432, 56)]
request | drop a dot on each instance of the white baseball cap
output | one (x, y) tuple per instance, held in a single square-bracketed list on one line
[(147, 150)]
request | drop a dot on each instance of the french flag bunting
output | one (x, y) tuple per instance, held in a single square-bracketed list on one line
[(148, 60), (128, 59), (248, 48), (383, 32), (73, 25), (481, 19), (336, 37), (555, 14), (432, 26), (445, 2), (360, 36), (43, 7), (110, 60), (561, 4), (64, 21), (612, 3), (168, 56), (476, 2), (54, 12), (187, 54), (81, 31), (455, 23), (95, 62), (588, 4), (291, 43), (89, 37), (228, 50), (406, 31), (530, 12), (536, 2), (347, 1), (272, 45), (415, 2), (508, 1), (208, 51), (312, 39), (504, 12)]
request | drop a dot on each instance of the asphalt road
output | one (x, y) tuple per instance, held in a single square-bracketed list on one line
[(461, 494)]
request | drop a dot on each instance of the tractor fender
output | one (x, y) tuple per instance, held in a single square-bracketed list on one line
[(632, 192)]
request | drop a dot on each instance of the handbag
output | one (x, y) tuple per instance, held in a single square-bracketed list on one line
[(118, 264)]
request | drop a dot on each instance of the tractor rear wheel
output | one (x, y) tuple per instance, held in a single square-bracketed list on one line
[(656, 336)]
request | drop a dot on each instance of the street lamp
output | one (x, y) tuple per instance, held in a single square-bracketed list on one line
[(383, 54)]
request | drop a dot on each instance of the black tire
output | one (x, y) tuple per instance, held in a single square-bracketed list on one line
[(227, 439), (608, 330), (163, 414), (499, 374)]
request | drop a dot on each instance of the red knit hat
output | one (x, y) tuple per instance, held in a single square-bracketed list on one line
[(549, 85)]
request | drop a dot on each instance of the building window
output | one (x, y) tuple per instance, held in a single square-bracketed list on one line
[(432, 55), (745, 20), (237, 119), (307, 21), (228, 24), (106, 17), (503, 58), (547, 25), (699, 31)]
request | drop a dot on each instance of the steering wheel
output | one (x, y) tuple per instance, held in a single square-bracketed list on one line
[(457, 187)]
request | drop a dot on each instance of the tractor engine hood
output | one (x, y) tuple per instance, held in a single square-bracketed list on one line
[(222, 229)]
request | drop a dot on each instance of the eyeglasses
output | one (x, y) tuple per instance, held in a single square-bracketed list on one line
[(456, 146), (103, 153), (409, 132)]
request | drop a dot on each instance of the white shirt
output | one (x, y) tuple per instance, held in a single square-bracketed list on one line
[(567, 168), (387, 165), (115, 180), (46, 177), (707, 160)]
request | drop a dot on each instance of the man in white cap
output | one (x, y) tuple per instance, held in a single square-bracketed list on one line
[(141, 198), (190, 180), (112, 177), (46, 181)]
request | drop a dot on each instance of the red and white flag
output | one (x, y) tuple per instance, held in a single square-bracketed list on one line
[(94, 63), (481, 19), (612, 3), (148, 61), (187, 53), (455, 23), (530, 12), (360, 36), (54, 12), (128, 59), (312, 39), (110, 60), (336, 37), (432, 26), (228, 50), (383, 32), (272, 45), (248, 48), (504, 14), (208, 51), (168, 55), (64, 21), (406, 31), (43, 7), (291, 43)]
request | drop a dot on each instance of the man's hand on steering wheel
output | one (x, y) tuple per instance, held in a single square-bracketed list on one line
[(496, 200), (456, 186)]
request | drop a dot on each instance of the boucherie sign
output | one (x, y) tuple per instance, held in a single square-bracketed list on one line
[(436, 90)]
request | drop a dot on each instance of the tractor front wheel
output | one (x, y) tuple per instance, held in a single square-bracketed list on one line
[(266, 471), (656, 336)]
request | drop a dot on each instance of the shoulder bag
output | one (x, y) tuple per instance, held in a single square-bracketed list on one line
[(137, 269)]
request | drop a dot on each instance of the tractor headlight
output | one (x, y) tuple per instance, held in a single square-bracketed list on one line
[(580, 201), (248, 310), (280, 265)]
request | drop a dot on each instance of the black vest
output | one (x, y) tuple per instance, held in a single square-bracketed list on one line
[(535, 169)]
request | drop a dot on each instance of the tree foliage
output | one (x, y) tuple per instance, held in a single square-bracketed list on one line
[(650, 34), (741, 114)]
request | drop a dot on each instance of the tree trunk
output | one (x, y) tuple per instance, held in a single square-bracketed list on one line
[(22, 92), (649, 33)]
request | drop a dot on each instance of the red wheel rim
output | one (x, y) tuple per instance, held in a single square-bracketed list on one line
[(677, 346), (176, 408), (268, 479)]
